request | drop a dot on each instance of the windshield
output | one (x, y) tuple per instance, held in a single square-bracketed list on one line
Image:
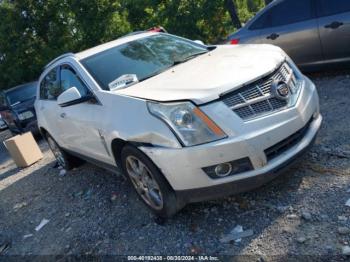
[(21, 94), (144, 58)]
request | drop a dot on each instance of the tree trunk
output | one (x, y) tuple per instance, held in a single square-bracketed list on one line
[(230, 6)]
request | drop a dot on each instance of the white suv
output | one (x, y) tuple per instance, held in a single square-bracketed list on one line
[(186, 122)]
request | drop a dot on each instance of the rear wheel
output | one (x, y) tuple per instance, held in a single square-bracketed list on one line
[(63, 158), (148, 182)]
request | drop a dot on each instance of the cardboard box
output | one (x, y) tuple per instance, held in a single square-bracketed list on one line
[(23, 149)]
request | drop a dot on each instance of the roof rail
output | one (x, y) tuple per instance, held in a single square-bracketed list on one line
[(58, 58)]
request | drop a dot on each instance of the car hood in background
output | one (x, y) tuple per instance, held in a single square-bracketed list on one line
[(24, 106), (206, 77)]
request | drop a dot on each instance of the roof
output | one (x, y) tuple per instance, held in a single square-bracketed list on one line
[(20, 86), (117, 42)]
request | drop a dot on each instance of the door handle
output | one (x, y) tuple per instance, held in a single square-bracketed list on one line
[(334, 25), (63, 115), (273, 36)]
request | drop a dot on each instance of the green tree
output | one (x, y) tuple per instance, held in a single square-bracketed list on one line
[(33, 32)]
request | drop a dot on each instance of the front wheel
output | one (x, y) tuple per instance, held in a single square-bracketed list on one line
[(149, 183), (64, 159)]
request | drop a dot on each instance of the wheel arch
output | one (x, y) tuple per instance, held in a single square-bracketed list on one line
[(117, 147), (43, 131)]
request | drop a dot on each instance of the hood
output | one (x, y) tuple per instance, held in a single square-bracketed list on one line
[(24, 106), (206, 77)]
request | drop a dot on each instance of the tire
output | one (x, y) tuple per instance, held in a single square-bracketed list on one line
[(159, 197), (64, 159)]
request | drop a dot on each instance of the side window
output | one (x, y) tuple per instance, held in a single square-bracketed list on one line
[(261, 22), (49, 86), (332, 7), (289, 12), (70, 79)]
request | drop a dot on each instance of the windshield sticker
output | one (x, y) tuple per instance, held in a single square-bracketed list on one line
[(123, 82)]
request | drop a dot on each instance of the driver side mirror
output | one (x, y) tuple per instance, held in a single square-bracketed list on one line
[(71, 97)]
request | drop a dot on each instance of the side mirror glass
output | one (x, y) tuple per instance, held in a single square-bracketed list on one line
[(69, 97)]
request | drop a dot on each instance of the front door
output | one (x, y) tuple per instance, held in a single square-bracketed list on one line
[(334, 27), (81, 124)]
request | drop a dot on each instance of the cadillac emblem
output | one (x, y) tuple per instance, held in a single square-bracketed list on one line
[(280, 89)]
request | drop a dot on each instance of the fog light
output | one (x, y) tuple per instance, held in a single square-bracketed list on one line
[(223, 170), (234, 167)]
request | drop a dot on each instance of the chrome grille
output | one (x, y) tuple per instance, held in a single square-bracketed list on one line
[(256, 99)]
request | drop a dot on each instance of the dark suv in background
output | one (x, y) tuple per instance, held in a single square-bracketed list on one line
[(17, 108), (312, 32)]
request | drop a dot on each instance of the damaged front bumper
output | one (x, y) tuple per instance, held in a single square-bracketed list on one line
[(293, 129)]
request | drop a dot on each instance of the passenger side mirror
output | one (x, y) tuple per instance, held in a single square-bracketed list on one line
[(71, 97), (199, 42)]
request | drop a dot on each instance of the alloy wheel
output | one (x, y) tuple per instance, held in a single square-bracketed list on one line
[(56, 151), (144, 182)]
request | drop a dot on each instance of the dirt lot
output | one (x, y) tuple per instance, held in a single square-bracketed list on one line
[(302, 214)]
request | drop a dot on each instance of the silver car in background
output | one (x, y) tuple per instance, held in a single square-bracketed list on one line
[(311, 32)]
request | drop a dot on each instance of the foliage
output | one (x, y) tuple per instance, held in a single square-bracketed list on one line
[(33, 32)]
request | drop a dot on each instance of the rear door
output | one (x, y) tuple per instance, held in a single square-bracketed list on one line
[(292, 25), (334, 27)]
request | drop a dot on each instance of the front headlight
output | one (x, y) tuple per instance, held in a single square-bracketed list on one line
[(189, 123)]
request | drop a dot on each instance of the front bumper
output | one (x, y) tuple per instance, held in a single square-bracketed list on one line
[(183, 167), (236, 187)]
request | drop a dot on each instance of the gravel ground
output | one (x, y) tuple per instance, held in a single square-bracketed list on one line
[(302, 214)]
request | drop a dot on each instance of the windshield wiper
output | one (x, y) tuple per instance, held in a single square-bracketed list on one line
[(16, 103), (176, 62), (30, 98), (155, 73)]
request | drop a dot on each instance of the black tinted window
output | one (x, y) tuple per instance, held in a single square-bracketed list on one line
[(332, 7), (289, 12), (49, 86), (261, 22), (70, 79)]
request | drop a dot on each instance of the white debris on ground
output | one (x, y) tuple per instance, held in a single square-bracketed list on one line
[(42, 224), (348, 202), (62, 173), (236, 235)]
